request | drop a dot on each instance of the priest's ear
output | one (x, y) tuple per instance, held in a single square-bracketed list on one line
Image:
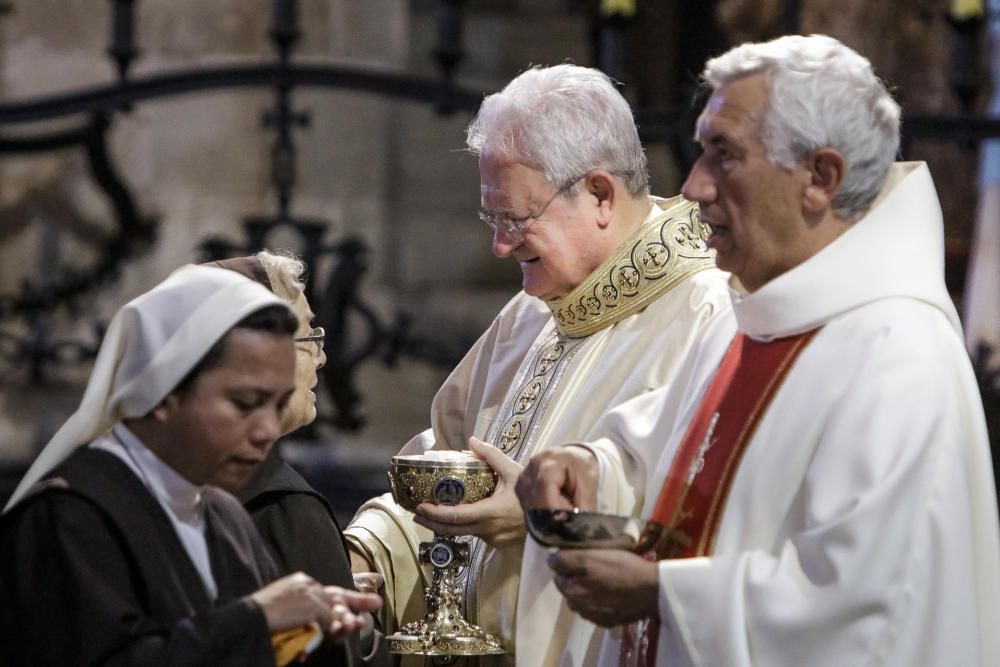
[(826, 168), (600, 185)]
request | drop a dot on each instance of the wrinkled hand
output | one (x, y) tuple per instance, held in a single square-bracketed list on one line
[(368, 582), (497, 520), (298, 599), (351, 611), (560, 478), (608, 587)]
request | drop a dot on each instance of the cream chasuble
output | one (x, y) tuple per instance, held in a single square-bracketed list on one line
[(544, 374), (861, 525)]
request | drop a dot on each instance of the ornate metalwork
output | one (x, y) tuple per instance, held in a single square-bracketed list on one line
[(443, 631), (415, 481), (134, 232)]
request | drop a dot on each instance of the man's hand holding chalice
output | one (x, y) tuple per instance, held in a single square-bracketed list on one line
[(498, 520)]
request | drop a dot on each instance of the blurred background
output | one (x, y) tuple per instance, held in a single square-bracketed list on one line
[(139, 135)]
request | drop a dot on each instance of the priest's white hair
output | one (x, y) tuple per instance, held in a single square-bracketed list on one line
[(823, 95), (564, 120)]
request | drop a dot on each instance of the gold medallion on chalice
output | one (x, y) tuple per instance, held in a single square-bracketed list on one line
[(442, 478)]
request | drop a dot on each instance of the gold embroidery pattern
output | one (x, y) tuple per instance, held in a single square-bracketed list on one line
[(660, 255), (522, 407), (528, 397), (510, 435), (549, 357)]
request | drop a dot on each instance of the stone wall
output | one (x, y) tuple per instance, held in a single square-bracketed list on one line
[(198, 163), (392, 173)]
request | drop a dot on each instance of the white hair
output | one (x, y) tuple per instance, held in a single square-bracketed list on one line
[(284, 271), (563, 120), (823, 95)]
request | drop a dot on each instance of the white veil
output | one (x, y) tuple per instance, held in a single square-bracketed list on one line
[(151, 344)]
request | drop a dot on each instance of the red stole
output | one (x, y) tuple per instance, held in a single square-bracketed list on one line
[(695, 491)]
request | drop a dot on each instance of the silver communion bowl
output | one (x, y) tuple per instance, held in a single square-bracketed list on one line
[(578, 529)]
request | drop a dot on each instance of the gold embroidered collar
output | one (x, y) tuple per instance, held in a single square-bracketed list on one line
[(669, 247)]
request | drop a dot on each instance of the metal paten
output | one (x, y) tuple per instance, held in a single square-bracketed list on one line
[(577, 529), (443, 631)]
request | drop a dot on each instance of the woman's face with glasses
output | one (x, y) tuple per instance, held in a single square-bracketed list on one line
[(309, 358)]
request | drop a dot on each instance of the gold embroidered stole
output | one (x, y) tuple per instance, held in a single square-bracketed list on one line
[(659, 256), (694, 494), (524, 408)]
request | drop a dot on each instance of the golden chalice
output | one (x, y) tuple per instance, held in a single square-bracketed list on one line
[(442, 478)]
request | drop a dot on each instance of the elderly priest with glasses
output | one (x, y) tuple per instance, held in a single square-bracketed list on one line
[(617, 287)]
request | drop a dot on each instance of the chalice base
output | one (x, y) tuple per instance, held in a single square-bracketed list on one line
[(443, 631), (443, 634)]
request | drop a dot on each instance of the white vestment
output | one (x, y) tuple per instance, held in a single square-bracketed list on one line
[(861, 526), (542, 375)]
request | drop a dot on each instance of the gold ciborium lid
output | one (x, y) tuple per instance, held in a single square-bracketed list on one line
[(440, 477)]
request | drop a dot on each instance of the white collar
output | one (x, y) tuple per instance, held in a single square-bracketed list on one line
[(170, 487), (895, 250)]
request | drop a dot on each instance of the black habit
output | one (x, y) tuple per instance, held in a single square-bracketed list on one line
[(92, 572), (302, 534)]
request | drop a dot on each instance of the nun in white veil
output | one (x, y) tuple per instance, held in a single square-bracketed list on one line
[(151, 344), (123, 558)]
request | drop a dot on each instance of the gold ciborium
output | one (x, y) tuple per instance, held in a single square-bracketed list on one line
[(442, 478)]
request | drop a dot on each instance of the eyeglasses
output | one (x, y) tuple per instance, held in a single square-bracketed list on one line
[(315, 340), (518, 226)]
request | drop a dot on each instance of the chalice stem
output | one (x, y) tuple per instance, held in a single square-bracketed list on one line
[(443, 631)]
